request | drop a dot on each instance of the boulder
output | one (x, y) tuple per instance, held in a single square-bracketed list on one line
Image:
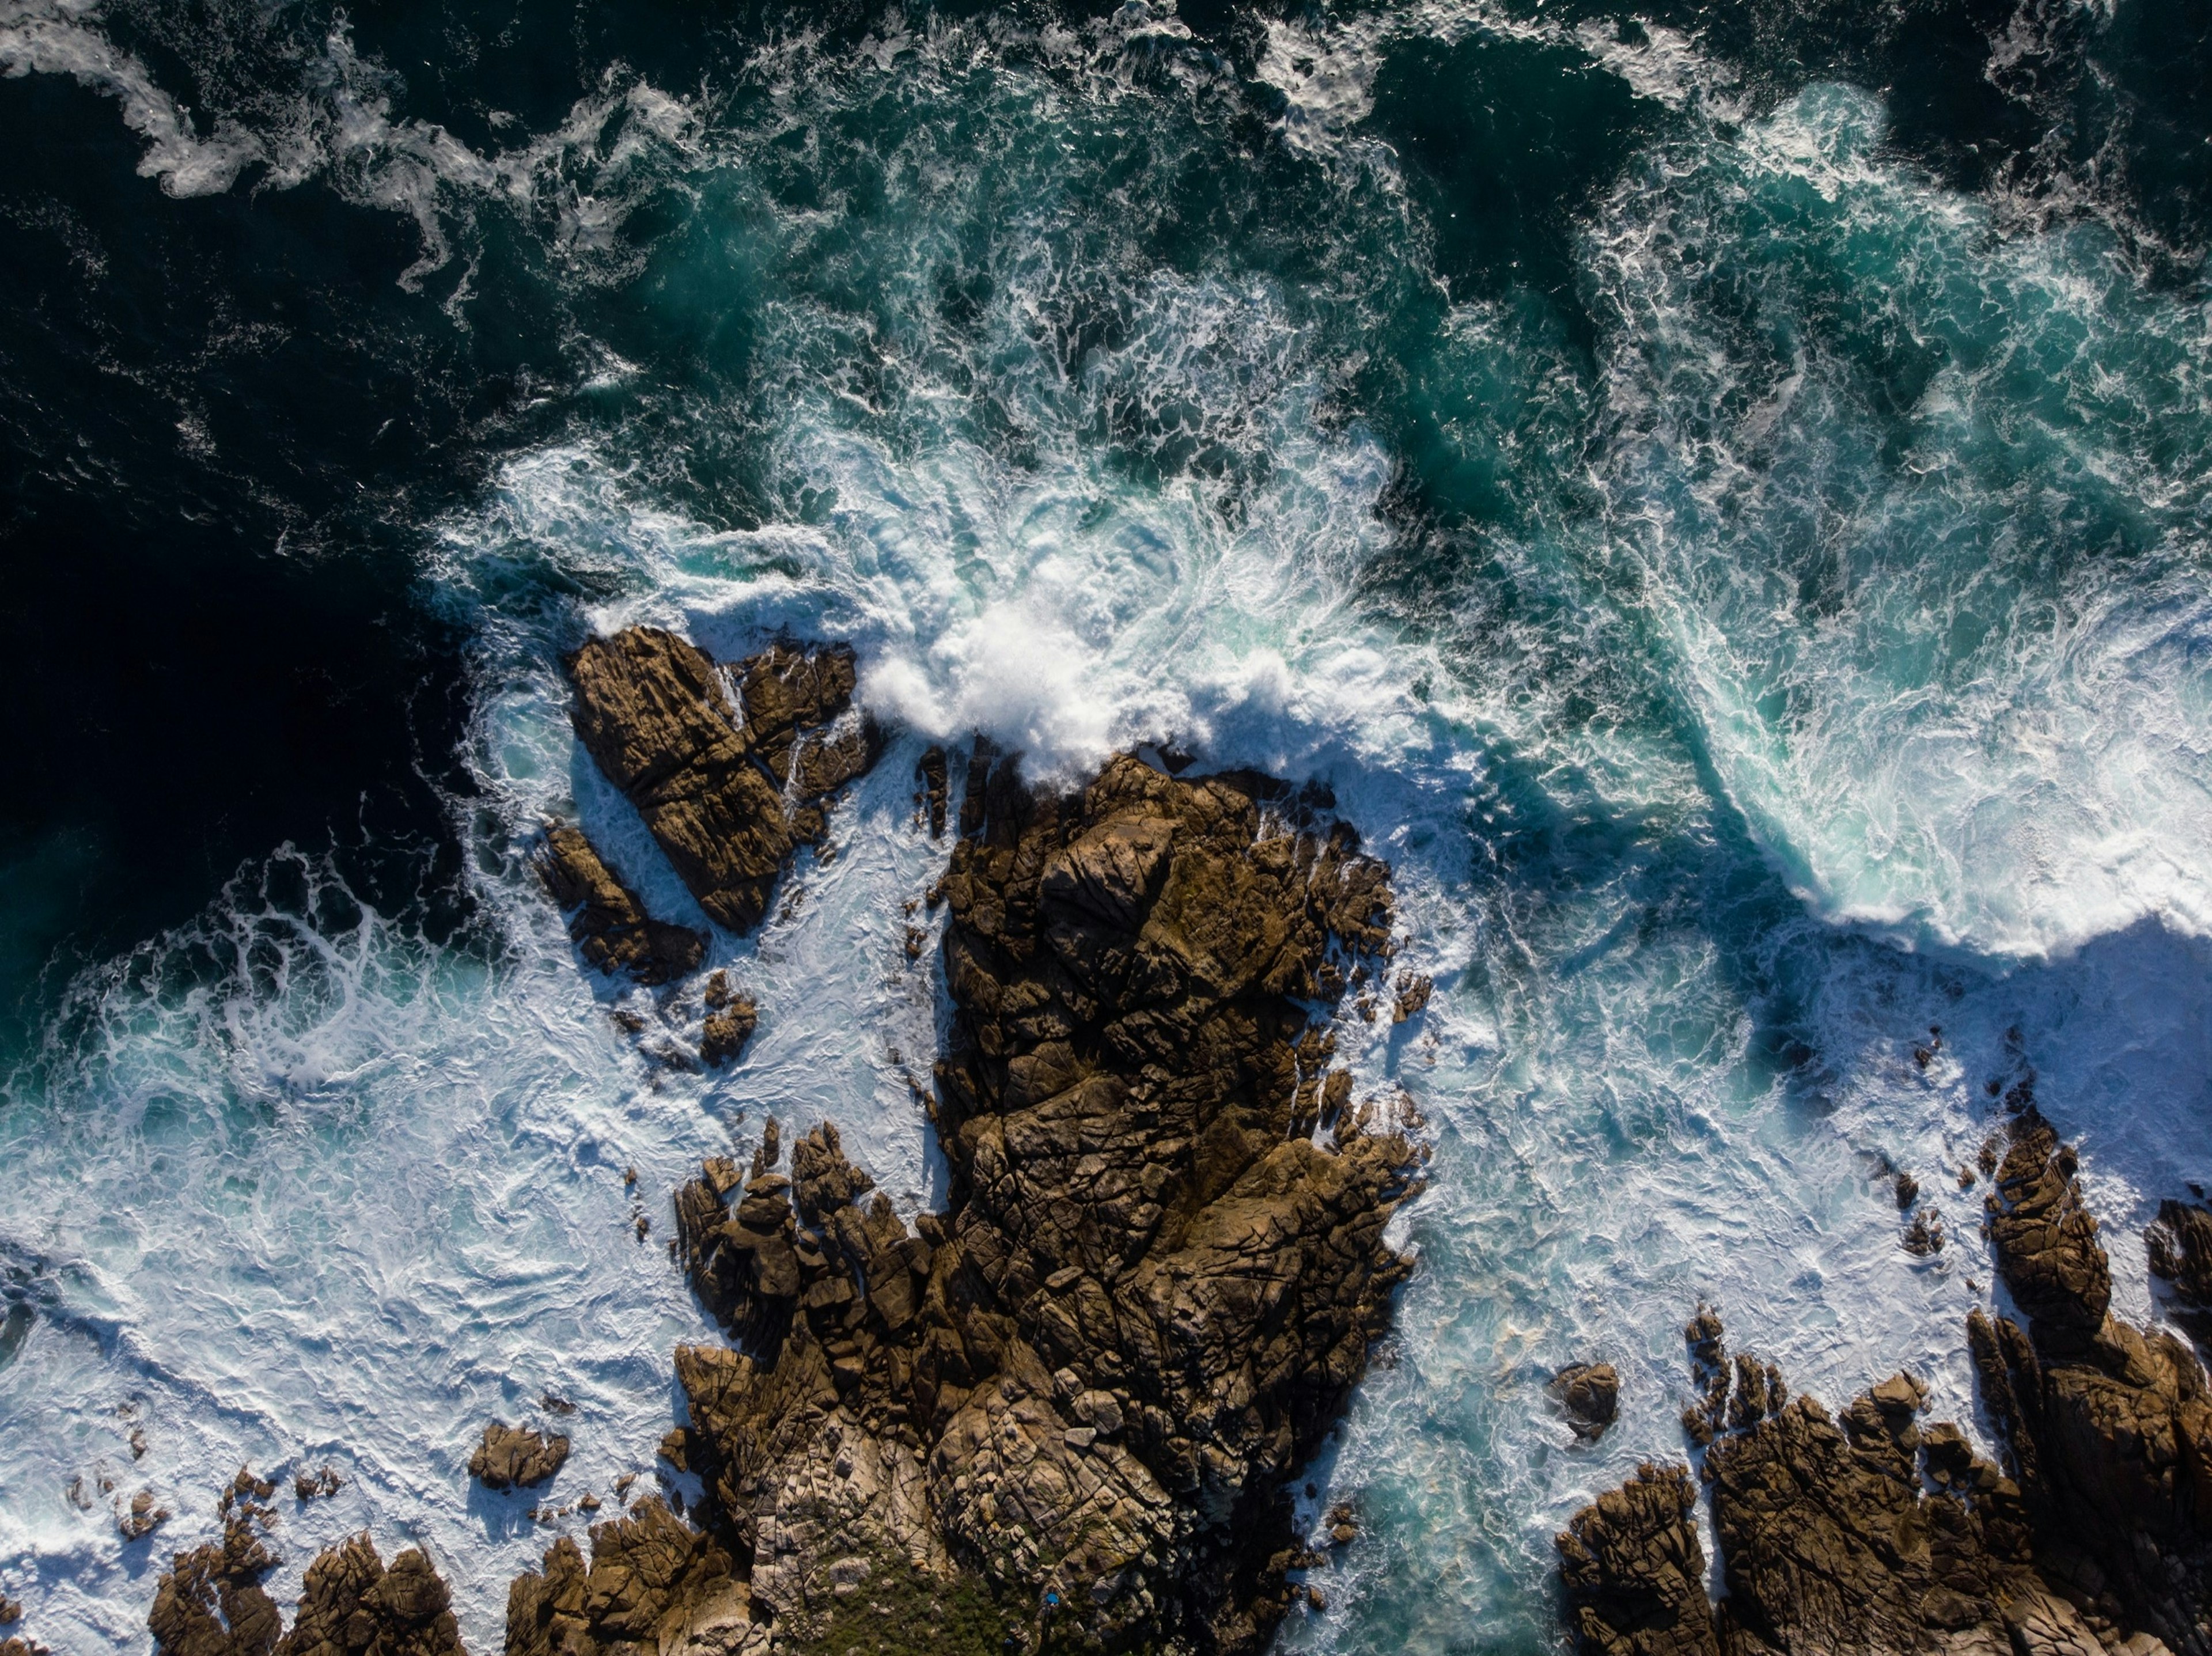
[(515, 1457), (1589, 1393)]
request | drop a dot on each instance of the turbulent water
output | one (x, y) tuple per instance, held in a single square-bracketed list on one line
[(1723, 495)]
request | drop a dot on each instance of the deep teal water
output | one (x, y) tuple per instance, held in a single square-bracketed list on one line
[(1719, 492)]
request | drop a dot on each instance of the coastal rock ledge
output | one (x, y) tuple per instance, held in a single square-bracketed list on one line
[(1060, 1413), (1869, 1532)]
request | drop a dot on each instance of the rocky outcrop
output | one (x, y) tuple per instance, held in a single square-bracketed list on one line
[(730, 1023), (1076, 1395), (2179, 1243), (732, 773), (1634, 1572), (513, 1457), (211, 1601), (606, 921), (1870, 1532), (2110, 1425), (351, 1605), (1588, 1393), (654, 1584)]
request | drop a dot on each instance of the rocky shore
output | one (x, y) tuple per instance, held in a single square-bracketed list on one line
[(1063, 1412), (1869, 1532)]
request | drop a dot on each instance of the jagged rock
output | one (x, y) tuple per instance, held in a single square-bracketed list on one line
[(1131, 1209), (929, 771), (2046, 1240), (607, 921), (351, 1605), (654, 1584), (729, 787), (1634, 1572), (141, 1517), (2109, 1426), (211, 1603), (515, 1457), (1869, 1533), (2179, 1243), (731, 1020), (16, 1645), (1414, 990), (1590, 1392)]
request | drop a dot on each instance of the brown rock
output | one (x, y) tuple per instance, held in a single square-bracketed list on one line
[(1590, 1392), (708, 771), (211, 1603), (722, 1038), (1029, 1390), (607, 921), (513, 1457), (1633, 1571), (351, 1605), (2180, 1242)]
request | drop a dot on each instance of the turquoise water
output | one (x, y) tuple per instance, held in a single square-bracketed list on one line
[(1731, 530)]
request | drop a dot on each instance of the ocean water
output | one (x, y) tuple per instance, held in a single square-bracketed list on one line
[(1720, 493)]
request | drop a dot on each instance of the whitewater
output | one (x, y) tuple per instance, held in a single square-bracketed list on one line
[(1796, 646)]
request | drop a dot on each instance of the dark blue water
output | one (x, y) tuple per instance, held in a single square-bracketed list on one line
[(1719, 491)]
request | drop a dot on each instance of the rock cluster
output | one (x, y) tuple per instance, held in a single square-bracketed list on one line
[(653, 1584), (513, 1457), (211, 1601), (731, 773), (607, 921), (1870, 1532), (1076, 1395)]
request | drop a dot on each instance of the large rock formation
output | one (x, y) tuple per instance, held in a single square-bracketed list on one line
[(606, 920), (1871, 1533), (1069, 1404), (2179, 1244), (731, 779), (211, 1601)]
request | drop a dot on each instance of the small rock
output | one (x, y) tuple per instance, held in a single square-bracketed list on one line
[(143, 1518), (1590, 1392), (513, 1457)]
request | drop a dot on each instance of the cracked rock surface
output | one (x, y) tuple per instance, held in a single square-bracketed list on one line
[(731, 770), (1869, 1532), (1079, 1390)]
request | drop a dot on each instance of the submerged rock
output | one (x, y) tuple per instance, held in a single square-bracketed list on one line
[(1074, 1397), (1868, 1533), (607, 921), (730, 782), (513, 1457)]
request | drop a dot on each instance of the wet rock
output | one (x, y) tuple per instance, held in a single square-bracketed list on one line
[(351, 1605), (731, 780), (141, 1517), (1589, 1393), (1413, 996), (731, 1020), (2179, 1243), (513, 1457), (1027, 1392), (2046, 1240), (607, 920), (929, 772), (1634, 1572), (653, 1584)]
